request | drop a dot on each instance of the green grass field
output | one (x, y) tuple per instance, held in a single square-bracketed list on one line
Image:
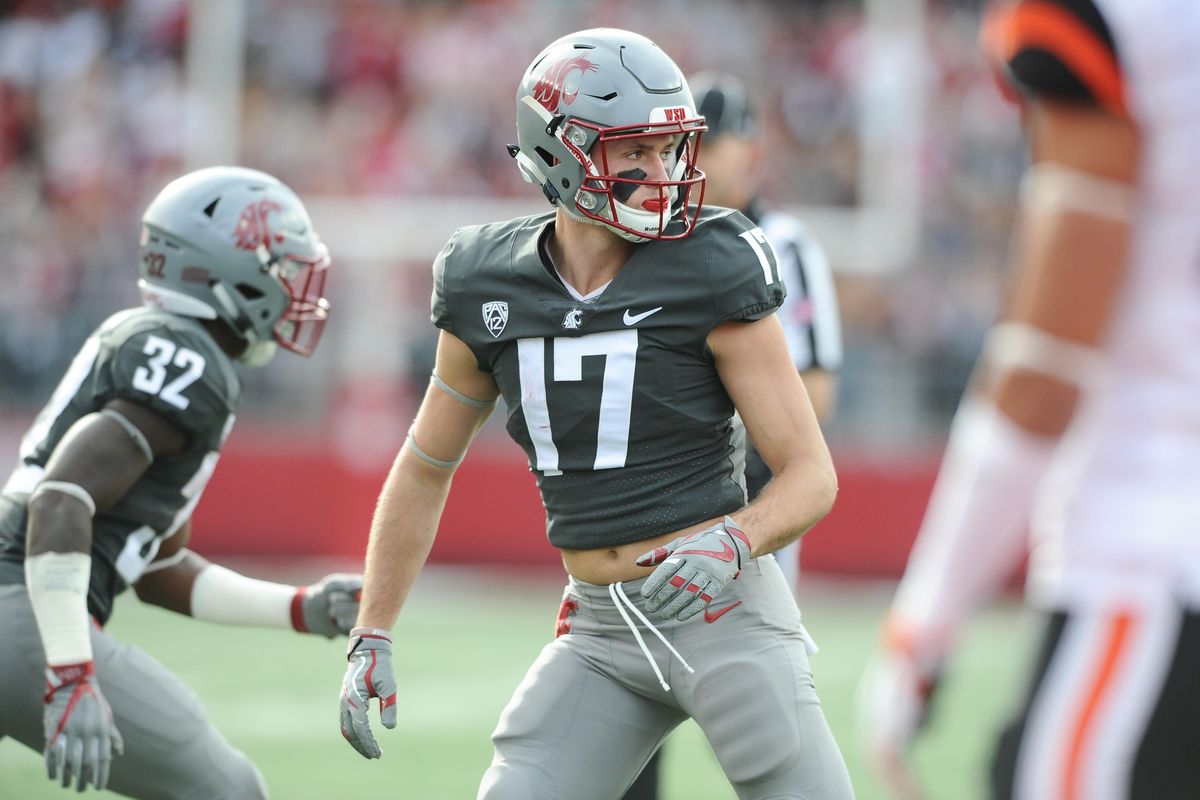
[(463, 644)]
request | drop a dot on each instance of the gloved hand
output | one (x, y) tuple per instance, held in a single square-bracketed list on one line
[(329, 606), (893, 705), (369, 674), (693, 569), (80, 734)]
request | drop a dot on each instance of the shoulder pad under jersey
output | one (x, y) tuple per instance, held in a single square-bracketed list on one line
[(742, 266), (1056, 50), (171, 365)]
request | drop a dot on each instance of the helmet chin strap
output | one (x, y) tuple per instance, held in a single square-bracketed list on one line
[(258, 353)]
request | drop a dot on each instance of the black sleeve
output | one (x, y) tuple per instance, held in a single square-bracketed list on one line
[(439, 309), (746, 285), (173, 373)]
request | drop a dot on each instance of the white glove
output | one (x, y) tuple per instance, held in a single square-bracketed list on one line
[(893, 705)]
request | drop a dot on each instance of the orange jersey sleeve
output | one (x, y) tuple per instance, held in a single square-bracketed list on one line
[(1055, 49)]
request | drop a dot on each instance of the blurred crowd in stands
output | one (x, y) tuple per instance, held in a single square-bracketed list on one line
[(414, 98)]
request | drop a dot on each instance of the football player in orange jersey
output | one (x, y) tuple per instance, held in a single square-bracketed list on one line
[(1082, 424)]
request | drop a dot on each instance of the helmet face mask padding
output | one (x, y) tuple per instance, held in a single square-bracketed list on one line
[(599, 86), (237, 246)]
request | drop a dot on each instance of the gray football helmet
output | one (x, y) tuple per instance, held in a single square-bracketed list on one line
[(597, 86), (236, 245)]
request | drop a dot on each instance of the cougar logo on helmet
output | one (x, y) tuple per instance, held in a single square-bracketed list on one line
[(254, 227), (553, 88)]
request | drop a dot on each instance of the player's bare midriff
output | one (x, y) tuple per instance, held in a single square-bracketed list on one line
[(605, 565)]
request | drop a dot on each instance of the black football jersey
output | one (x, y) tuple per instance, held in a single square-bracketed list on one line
[(169, 364), (616, 401)]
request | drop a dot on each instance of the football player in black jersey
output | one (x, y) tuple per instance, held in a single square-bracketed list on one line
[(733, 149), (623, 330), (110, 472)]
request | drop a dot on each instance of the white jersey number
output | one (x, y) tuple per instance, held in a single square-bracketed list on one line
[(619, 349), (151, 378), (757, 241)]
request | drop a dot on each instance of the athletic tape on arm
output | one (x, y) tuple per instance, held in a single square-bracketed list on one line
[(973, 533), (169, 561), (428, 459), (1017, 345), (57, 584), (1050, 187), (139, 438), (459, 396), (65, 487), (227, 597)]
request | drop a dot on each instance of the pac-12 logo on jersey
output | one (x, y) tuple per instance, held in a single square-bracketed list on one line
[(495, 317), (573, 319)]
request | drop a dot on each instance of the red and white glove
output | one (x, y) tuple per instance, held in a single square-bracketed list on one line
[(693, 569), (368, 675), (78, 723)]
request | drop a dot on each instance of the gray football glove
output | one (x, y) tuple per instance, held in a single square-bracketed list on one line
[(80, 734), (369, 674), (693, 569), (328, 607)]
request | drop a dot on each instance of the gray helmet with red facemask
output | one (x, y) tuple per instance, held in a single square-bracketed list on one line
[(236, 245), (598, 86)]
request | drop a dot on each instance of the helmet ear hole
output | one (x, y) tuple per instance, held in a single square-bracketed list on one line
[(247, 291)]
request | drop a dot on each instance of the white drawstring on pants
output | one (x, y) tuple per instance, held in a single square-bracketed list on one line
[(618, 597)]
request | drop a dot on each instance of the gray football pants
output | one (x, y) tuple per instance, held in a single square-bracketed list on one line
[(591, 711), (172, 751)]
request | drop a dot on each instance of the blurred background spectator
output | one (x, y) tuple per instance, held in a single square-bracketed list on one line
[(382, 98), (884, 132)]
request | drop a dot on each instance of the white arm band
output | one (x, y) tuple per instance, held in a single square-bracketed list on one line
[(224, 596), (57, 584), (135, 433), (1019, 345), (169, 561), (974, 531), (1051, 188), (459, 396), (73, 489), (428, 459)]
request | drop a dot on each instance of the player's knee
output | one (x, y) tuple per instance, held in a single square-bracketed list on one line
[(245, 782), (507, 780), (753, 737)]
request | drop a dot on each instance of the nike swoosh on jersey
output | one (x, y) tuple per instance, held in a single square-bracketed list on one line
[(728, 554), (634, 319), (713, 616)]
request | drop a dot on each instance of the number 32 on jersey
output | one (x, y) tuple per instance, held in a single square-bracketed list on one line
[(151, 378)]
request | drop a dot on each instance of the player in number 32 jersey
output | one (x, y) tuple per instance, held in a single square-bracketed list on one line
[(107, 479)]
